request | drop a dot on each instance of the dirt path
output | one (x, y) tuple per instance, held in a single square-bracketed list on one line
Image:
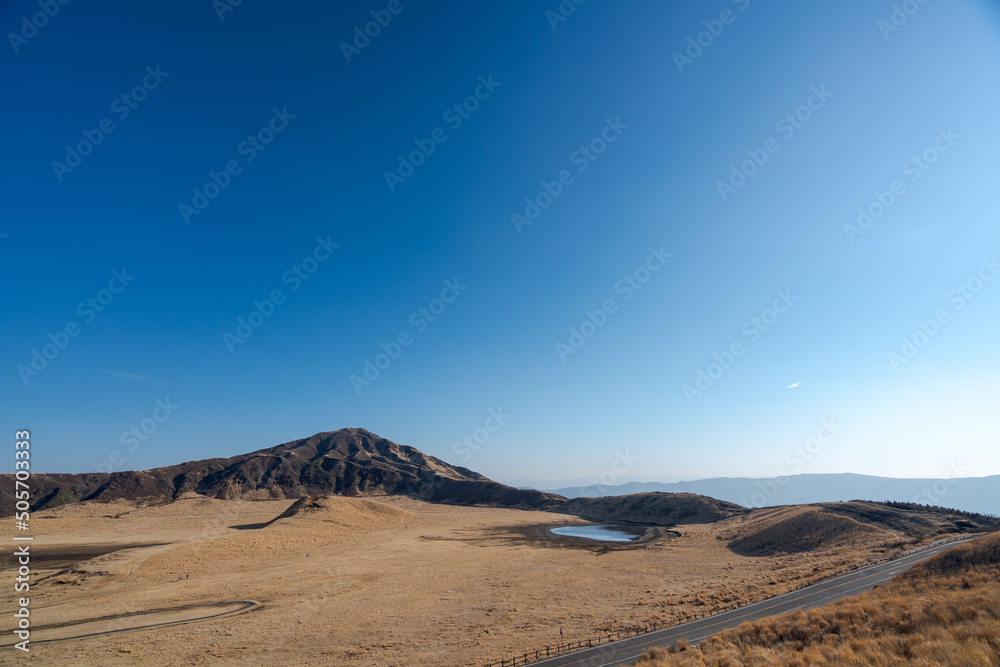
[(149, 619)]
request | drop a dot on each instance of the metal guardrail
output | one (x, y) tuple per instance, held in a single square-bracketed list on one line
[(561, 649)]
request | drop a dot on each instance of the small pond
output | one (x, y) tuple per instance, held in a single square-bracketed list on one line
[(601, 533)]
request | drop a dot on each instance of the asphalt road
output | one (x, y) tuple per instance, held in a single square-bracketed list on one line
[(627, 650)]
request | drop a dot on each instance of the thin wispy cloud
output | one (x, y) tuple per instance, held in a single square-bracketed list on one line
[(138, 377), (794, 384)]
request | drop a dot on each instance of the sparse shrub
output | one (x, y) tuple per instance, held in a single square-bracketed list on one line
[(62, 498)]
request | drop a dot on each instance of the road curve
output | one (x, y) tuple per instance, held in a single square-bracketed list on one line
[(627, 650)]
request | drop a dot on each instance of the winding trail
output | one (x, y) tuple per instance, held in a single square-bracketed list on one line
[(148, 619)]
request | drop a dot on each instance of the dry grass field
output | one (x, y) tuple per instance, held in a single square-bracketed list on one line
[(384, 580), (945, 611)]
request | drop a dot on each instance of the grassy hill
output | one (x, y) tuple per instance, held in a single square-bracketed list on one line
[(803, 528), (799, 529), (661, 509)]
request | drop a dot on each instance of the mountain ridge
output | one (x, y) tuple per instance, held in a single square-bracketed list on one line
[(348, 462)]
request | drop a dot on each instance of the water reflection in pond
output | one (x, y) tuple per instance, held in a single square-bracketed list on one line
[(602, 533)]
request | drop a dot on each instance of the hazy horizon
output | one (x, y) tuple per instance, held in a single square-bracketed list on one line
[(674, 480)]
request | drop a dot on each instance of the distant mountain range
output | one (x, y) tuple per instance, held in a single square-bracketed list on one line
[(356, 462), (971, 494), (348, 462)]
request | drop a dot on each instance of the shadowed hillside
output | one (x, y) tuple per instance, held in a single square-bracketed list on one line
[(797, 530), (801, 528), (914, 520), (662, 509), (349, 462)]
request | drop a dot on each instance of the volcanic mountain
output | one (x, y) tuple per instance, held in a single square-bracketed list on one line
[(349, 462)]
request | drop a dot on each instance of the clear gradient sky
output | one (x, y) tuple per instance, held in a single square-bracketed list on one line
[(599, 110)]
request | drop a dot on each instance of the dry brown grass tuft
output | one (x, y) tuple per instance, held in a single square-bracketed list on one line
[(945, 611)]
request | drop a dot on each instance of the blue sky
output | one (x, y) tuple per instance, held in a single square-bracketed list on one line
[(632, 140)]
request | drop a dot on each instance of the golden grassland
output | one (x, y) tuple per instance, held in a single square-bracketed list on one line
[(945, 611), (393, 581)]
